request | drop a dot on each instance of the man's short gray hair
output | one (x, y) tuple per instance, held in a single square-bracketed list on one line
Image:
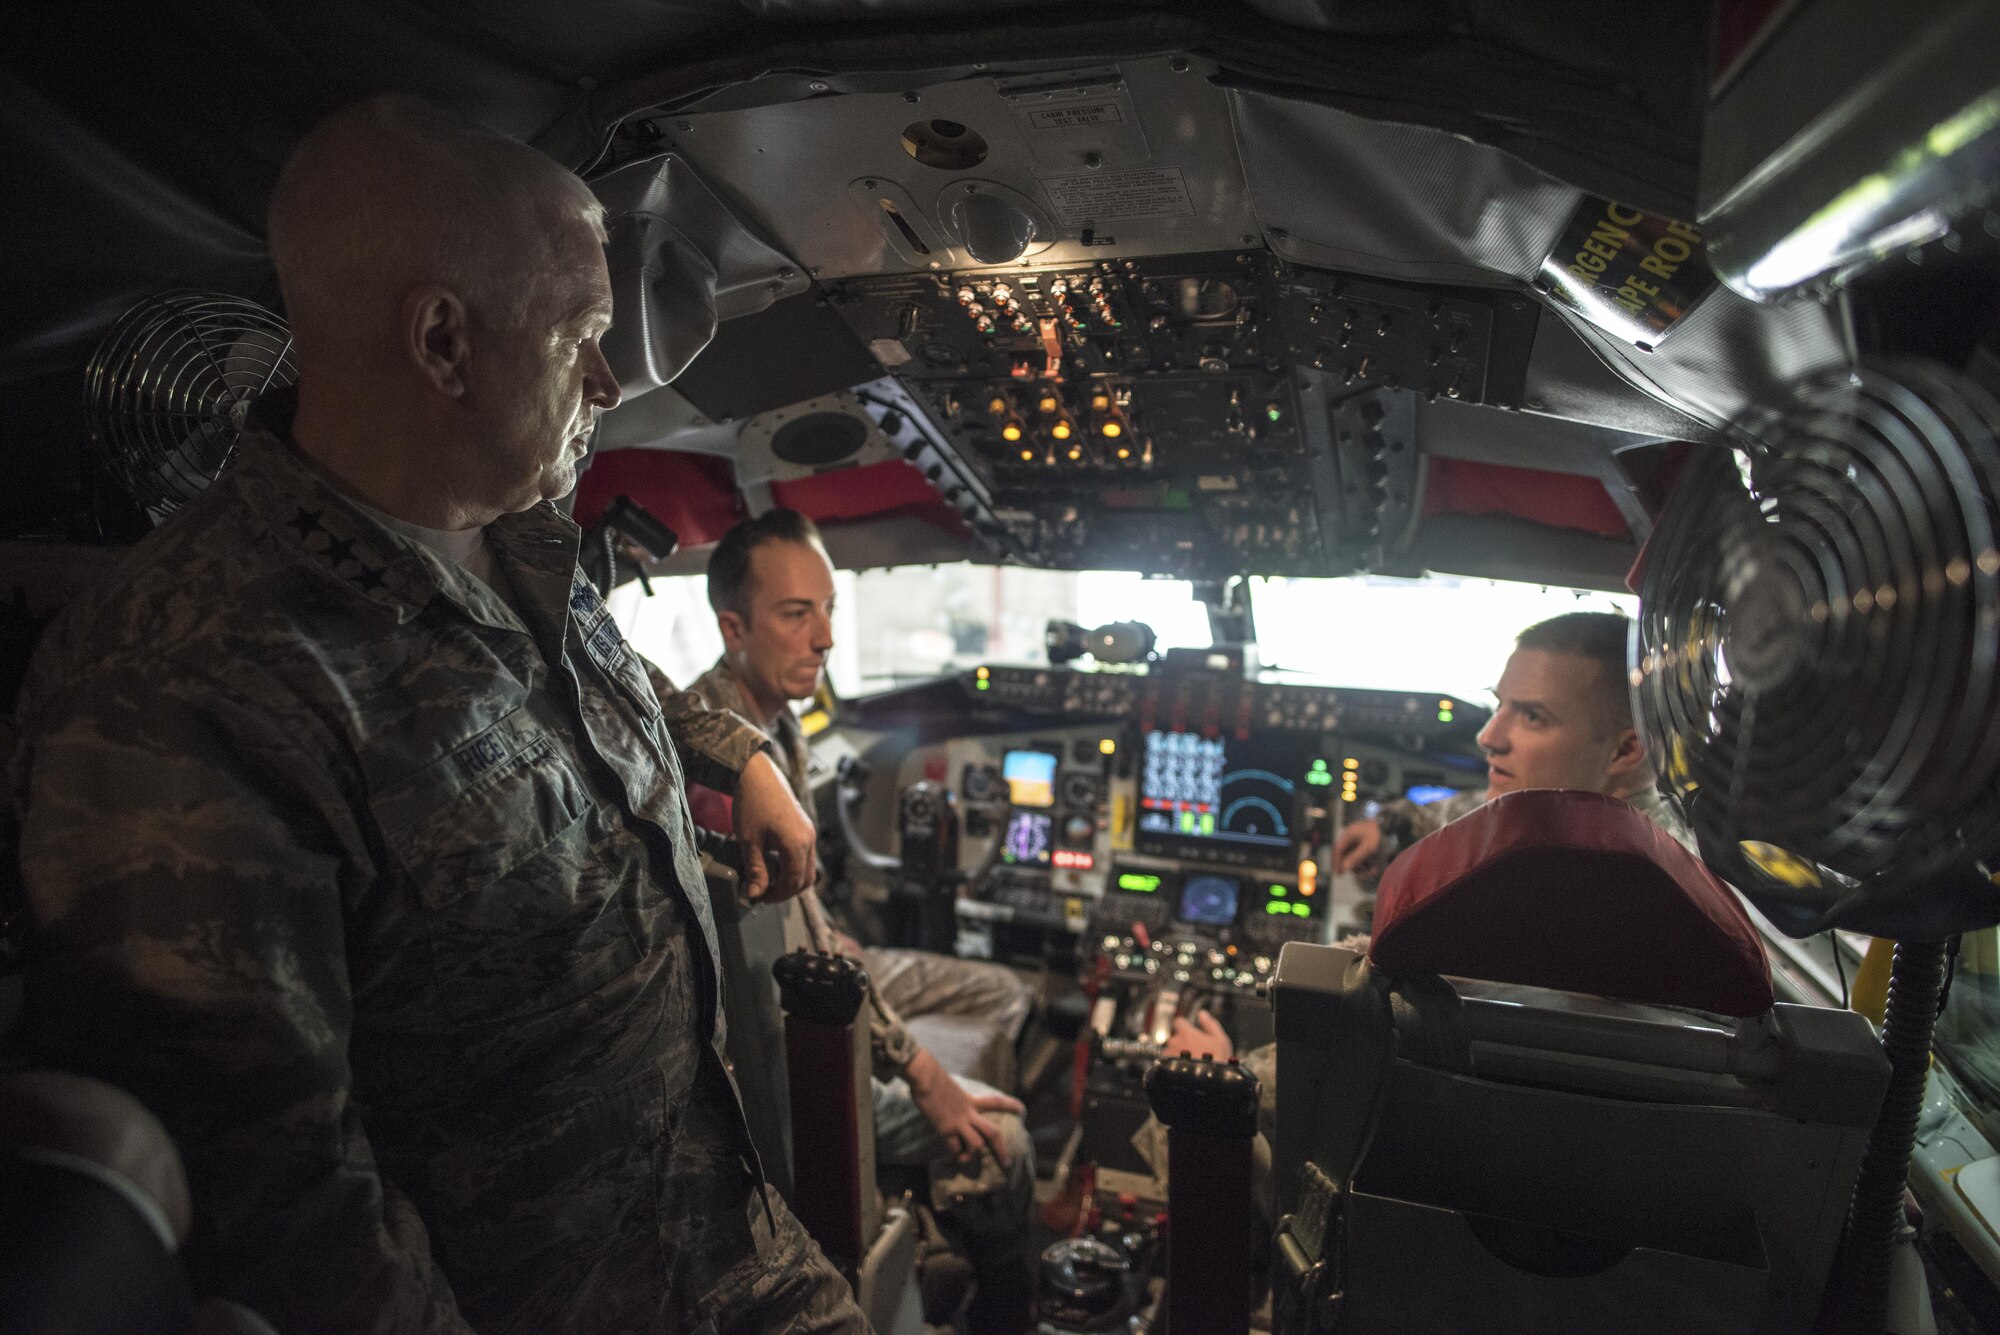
[(395, 190)]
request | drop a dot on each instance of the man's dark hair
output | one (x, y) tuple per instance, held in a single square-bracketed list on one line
[(1599, 637), (729, 563)]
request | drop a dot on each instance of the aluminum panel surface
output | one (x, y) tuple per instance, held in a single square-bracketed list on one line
[(810, 173)]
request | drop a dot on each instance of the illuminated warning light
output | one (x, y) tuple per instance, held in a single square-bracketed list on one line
[(1446, 705), (1106, 746), (1272, 412), (1138, 882), (1302, 910), (1072, 860), (996, 405), (1027, 456), (1350, 763), (1011, 432), (1100, 402), (1112, 428), (1124, 453), (1280, 891), (1444, 716), (1075, 453), (983, 673), (1277, 908), (1308, 877), (1049, 403), (983, 684), (1347, 796), (1319, 776), (1062, 430)]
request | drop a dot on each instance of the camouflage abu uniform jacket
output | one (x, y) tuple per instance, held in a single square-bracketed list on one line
[(387, 904), (890, 1043)]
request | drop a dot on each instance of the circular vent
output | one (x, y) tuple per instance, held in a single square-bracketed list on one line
[(818, 439), (945, 145)]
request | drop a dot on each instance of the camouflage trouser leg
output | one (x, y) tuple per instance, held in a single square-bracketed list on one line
[(787, 1288), (919, 985)]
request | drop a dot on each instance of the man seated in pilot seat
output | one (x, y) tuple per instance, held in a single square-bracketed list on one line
[(1563, 720), (771, 586)]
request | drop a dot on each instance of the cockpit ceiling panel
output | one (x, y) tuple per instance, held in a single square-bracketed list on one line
[(1415, 203), (1131, 159)]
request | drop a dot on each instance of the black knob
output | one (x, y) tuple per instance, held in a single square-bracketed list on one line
[(824, 988), (1208, 1097)]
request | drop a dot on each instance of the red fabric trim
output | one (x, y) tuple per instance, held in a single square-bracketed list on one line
[(1560, 500), (1573, 891), (692, 494), (711, 810)]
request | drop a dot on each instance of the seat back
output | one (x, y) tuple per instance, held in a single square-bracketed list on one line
[(1570, 890), (1673, 1153)]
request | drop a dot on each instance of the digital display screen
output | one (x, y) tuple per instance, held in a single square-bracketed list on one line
[(1031, 778), (1287, 901), (1027, 840), (1424, 794), (1140, 882), (1210, 900), (1198, 791)]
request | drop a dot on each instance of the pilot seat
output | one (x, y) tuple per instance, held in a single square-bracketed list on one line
[(1556, 1095)]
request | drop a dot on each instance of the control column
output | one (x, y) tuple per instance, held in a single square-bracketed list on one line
[(833, 1127), (1210, 1112)]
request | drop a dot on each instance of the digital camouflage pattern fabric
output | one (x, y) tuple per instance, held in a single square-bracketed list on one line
[(386, 901)]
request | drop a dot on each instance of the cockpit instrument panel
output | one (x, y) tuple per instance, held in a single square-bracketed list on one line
[(1177, 414)]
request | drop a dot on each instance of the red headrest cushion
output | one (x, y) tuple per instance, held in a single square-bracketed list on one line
[(1575, 891)]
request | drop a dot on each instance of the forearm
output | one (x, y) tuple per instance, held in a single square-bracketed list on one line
[(714, 744)]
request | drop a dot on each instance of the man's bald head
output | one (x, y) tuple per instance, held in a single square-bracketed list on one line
[(391, 193)]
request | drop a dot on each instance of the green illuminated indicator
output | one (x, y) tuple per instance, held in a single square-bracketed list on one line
[(1277, 908), (1444, 716), (1319, 776), (1302, 910), (1187, 822), (983, 684), (1208, 822), (1274, 412), (1280, 891), (1138, 882)]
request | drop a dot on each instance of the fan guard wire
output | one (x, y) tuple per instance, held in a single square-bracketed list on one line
[(1815, 655), (167, 388)]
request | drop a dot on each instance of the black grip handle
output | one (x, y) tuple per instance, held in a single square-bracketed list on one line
[(825, 988), (1207, 1097)]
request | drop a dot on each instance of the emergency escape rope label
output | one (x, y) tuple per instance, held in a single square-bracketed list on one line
[(1103, 197), (1631, 273)]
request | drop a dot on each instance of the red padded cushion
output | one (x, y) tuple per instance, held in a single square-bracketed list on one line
[(1574, 891)]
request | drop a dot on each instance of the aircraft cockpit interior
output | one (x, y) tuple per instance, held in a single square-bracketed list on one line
[(700, 667)]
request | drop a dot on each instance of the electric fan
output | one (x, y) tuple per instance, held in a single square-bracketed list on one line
[(168, 388), (1815, 654), (1814, 666)]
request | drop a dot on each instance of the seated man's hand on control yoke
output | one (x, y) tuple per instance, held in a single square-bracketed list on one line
[(769, 818), (1359, 842), (1202, 1038), (956, 1114)]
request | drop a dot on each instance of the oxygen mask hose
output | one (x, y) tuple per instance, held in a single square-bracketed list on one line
[(1916, 983)]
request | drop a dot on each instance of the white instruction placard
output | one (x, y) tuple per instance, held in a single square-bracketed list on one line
[(1103, 197)]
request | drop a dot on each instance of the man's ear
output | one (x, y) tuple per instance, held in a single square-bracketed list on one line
[(1628, 760), (734, 631), (436, 339)]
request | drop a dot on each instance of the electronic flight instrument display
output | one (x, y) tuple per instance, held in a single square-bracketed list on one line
[(1224, 799)]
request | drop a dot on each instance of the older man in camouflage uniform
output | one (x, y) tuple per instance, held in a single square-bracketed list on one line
[(355, 834)]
